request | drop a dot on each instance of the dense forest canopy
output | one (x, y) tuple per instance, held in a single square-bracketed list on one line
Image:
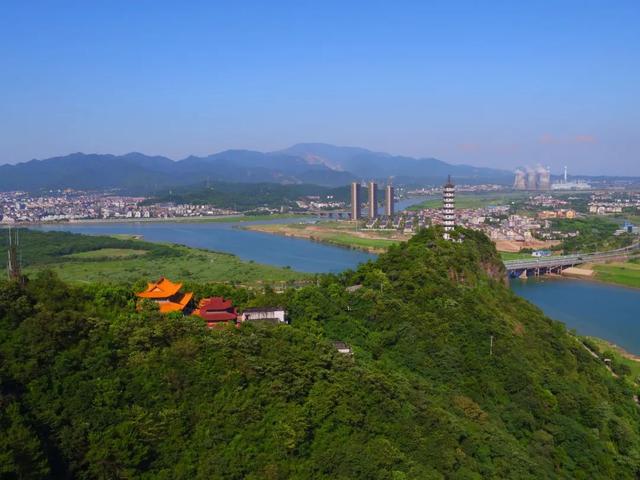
[(91, 387)]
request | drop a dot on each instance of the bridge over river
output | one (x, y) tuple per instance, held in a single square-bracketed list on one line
[(555, 264)]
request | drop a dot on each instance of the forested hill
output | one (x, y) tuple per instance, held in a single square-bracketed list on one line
[(92, 388)]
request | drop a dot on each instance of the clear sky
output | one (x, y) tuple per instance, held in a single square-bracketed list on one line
[(495, 83)]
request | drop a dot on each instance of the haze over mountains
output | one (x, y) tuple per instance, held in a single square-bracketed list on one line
[(314, 163)]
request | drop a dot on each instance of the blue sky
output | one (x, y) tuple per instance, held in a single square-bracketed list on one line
[(500, 83)]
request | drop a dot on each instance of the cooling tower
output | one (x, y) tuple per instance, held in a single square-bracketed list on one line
[(544, 178), (519, 182), (532, 183)]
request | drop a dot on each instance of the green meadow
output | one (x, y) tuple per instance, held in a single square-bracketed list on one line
[(87, 258)]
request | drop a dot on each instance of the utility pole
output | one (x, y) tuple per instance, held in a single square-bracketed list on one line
[(13, 262)]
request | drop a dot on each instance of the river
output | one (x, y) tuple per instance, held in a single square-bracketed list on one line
[(592, 308), (299, 254)]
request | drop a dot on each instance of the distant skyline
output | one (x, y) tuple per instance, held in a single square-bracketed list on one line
[(497, 84)]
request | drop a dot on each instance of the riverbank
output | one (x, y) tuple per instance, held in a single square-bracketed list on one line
[(626, 274), (262, 248), (212, 219), (340, 234), (619, 273), (617, 354), (128, 266), (99, 258)]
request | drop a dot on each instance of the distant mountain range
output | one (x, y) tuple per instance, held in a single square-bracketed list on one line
[(311, 163)]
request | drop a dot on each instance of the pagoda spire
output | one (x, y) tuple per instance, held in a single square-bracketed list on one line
[(448, 208)]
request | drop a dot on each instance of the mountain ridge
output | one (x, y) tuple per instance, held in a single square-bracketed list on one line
[(315, 163)]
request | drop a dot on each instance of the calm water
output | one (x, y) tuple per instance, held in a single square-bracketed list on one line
[(592, 308), (299, 254)]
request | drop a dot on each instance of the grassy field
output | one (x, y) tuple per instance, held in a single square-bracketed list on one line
[(336, 233), (627, 273), (186, 264), (358, 242), (89, 258), (474, 200), (107, 254), (514, 256), (253, 218), (222, 219)]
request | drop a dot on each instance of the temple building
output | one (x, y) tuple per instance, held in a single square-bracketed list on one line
[(167, 295), (216, 311)]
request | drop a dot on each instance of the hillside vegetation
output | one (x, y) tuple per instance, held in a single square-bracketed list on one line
[(90, 387), (594, 234)]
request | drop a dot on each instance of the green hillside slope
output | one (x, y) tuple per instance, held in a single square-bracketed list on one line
[(92, 388)]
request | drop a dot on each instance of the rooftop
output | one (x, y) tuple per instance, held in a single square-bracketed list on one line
[(163, 288)]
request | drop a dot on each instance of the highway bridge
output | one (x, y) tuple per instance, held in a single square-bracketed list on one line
[(555, 264)]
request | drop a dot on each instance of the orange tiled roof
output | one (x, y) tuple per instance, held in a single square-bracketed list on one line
[(163, 288), (168, 307)]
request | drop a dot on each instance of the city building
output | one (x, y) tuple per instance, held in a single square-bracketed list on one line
[(216, 311), (389, 201), (264, 314), (448, 208), (356, 201), (167, 295), (373, 200), (627, 227)]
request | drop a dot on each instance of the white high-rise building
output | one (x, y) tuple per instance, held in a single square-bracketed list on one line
[(389, 201), (373, 200), (356, 201), (448, 208)]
